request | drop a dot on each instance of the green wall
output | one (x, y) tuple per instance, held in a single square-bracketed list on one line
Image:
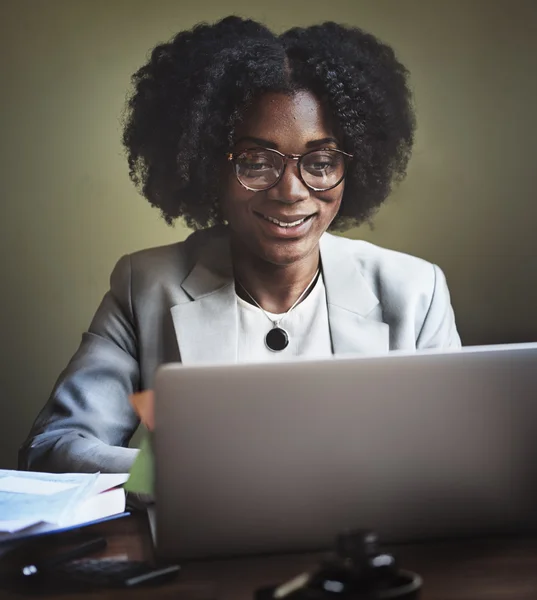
[(68, 210)]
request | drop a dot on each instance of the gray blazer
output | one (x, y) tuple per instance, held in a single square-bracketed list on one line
[(177, 303)]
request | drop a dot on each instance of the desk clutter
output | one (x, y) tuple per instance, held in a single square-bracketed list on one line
[(61, 508), (74, 563), (356, 570), (84, 561), (503, 568)]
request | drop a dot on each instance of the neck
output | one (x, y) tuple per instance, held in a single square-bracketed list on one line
[(275, 287)]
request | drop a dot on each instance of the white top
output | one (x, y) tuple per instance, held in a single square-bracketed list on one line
[(306, 325)]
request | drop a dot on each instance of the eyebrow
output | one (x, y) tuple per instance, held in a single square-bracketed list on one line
[(269, 144)]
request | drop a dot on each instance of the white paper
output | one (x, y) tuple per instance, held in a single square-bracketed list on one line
[(107, 481), (98, 507), (93, 508), (36, 502), (49, 507), (39, 487), (16, 525)]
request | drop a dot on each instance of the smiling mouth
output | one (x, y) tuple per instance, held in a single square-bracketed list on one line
[(285, 224)]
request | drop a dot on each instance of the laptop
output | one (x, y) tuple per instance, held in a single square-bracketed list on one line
[(274, 458)]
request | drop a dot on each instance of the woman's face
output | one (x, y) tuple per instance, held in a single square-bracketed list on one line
[(291, 124)]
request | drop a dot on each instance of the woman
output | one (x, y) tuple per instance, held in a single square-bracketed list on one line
[(262, 143)]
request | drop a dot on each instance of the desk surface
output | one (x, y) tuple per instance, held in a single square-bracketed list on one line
[(504, 569)]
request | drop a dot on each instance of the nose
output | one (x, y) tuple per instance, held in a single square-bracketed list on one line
[(290, 188)]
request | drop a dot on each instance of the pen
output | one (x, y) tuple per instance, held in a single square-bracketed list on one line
[(63, 557), (155, 576)]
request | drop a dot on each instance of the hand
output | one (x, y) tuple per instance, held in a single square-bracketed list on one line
[(144, 406)]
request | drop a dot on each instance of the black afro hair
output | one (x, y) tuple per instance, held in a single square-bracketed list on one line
[(189, 96)]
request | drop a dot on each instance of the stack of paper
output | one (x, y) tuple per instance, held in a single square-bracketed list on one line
[(33, 503)]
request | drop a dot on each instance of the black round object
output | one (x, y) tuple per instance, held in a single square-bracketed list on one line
[(277, 339), (406, 586)]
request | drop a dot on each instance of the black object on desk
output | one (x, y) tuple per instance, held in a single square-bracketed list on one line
[(51, 563), (70, 570), (357, 570), (108, 572)]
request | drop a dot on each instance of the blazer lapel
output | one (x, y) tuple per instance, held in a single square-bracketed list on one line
[(205, 321), (353, 315)]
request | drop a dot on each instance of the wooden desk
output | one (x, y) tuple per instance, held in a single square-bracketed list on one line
[(477, 570)]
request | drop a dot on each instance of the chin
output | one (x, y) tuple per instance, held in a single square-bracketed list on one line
[(288, 252)]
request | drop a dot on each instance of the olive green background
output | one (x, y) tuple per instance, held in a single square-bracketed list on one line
[(69, 211)]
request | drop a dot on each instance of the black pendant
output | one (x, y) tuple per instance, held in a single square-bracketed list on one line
[(277, 339)]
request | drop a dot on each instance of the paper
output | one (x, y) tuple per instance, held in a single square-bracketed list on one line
[(98, 507), (92, 509), (17, 525), (22, 485), (107, 481), (27, 503), (38, 503), (141, 479)]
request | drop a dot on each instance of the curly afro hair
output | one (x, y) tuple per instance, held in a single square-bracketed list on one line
[(190, 95)]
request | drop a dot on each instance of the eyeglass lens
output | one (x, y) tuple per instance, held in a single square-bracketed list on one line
[(261, 169)]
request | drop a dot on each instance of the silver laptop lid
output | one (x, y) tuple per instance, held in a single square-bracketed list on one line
[(280, 457)]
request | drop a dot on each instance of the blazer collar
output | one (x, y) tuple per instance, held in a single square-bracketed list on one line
[(345, 285), (206, 322), (356, 326)]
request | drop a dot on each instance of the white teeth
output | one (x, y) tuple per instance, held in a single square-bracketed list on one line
[(282, 224)]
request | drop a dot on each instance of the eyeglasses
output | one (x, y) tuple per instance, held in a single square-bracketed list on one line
[(259, 169)]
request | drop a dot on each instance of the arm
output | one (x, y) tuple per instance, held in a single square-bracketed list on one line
[(88, 421), (439, 329)]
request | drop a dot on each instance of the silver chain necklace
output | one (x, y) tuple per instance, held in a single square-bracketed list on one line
[(277, 339)]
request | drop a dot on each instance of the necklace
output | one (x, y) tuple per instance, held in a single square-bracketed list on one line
[(277, 339)]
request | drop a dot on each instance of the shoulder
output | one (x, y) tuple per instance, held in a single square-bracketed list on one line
[(168, 262), (412, 293), (387, 270)]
